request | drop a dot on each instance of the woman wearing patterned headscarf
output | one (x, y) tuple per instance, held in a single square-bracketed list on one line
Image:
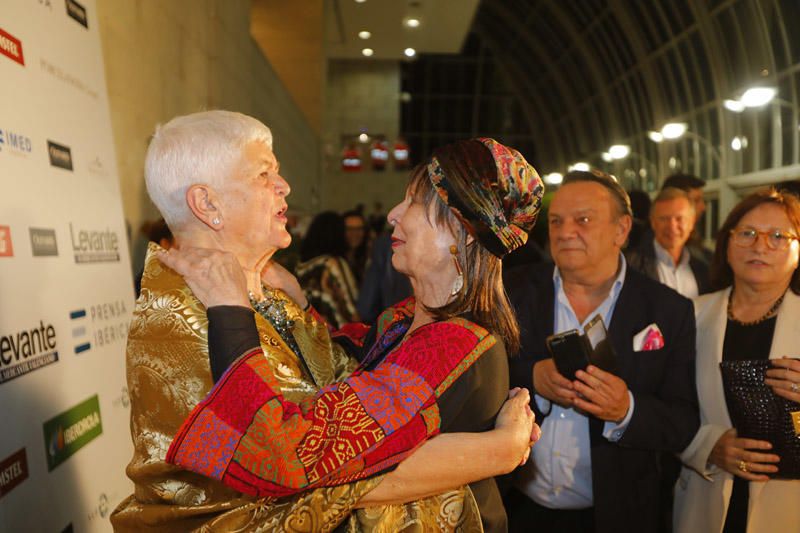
[(434, 362)]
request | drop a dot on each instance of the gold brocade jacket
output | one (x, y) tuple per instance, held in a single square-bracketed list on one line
[(168, 374)]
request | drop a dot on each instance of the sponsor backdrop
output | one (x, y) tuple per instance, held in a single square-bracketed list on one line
[(65, 285)]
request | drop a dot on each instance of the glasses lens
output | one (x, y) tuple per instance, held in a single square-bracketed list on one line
[(744, 237), (777, 240)]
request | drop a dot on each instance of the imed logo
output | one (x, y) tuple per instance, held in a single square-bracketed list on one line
[(15, 142), (70, 431), (13, 471), (6, 248), (11, 47)]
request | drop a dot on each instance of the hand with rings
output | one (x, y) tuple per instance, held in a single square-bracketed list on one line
[(738, 456), (784, 378)]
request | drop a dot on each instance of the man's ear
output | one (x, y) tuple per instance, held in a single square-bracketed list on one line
[(202, 201), (623, 229)]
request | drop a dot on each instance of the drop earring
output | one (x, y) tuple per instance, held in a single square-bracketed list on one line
[(458, 284)]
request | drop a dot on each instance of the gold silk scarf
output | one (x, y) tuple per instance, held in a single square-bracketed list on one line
[(168, 374)]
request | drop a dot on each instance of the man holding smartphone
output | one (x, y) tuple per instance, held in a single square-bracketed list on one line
[(596, 467)]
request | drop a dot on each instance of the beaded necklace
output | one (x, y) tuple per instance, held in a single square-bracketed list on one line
[(771, 312)]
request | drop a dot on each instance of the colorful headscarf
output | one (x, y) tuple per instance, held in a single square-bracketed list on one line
[(498, 211)]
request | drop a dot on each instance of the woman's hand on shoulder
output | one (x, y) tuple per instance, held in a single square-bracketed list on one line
[(276, 276), (784, 378), (214, 276), (746, 458), (516, 422)]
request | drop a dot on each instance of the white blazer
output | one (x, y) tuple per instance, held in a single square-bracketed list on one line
[(704, 490)]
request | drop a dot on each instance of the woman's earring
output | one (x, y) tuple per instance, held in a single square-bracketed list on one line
[(458, 284), (215, 221)]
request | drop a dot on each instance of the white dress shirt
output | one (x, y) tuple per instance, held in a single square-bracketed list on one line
[(679, 277), (559, 474)]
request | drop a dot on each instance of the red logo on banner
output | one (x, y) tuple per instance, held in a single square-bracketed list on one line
[(6, 250), (13, 471), (11, 47)]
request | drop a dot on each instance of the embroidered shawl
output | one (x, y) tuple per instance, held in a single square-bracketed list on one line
[(253, 439)]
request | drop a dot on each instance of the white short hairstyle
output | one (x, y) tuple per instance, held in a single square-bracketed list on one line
[(201, 148)]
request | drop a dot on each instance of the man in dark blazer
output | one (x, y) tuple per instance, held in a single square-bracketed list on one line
[(663, 253), (597, 465)]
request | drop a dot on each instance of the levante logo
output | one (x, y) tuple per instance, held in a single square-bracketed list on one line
[(11, 47), (24, 351), (91, 246), (70, 431)]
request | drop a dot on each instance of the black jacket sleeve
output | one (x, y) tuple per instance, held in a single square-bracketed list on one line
[(231, 332)]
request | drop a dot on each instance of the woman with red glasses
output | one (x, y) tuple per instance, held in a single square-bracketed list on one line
[(730, 483)]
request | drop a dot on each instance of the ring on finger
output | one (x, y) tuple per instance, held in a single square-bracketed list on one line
[(743, 466), (794, 387)]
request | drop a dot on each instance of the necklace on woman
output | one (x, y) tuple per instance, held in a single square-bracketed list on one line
[(771, 312)]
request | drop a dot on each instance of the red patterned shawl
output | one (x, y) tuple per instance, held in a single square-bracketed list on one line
[(255, 441)]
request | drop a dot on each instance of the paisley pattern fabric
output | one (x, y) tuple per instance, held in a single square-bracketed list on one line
[(331, 288), (168, 374), (248, 436), (499, 210)]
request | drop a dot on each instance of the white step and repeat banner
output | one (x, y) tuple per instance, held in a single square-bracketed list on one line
[(65, 285)]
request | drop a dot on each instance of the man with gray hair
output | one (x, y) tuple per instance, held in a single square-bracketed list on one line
[(664, 256)]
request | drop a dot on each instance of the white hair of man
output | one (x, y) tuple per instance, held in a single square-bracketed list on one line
[(198, 149)]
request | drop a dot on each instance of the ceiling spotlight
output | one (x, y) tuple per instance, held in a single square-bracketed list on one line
[(554, 178), (734, 105), (619, 151), (606, 157), (411, 22), (368, 52), (655, 136), (580, 165), (757, 96), (674, 130), (360, 1), (363, 137), (364, 35), (410, 52)]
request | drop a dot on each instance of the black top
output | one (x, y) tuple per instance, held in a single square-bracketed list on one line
[(744, 342)]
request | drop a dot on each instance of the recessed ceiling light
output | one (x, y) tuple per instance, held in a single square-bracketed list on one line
[(734, 105), (360, 1), (758, 96), (364, 35), (412, 22), (655, 136), (363, 137), (368, 52), (410, 52)]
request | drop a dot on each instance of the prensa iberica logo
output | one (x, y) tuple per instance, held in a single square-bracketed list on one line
[(70, 431)]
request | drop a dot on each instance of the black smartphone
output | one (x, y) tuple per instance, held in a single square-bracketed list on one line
[(569, 351)]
